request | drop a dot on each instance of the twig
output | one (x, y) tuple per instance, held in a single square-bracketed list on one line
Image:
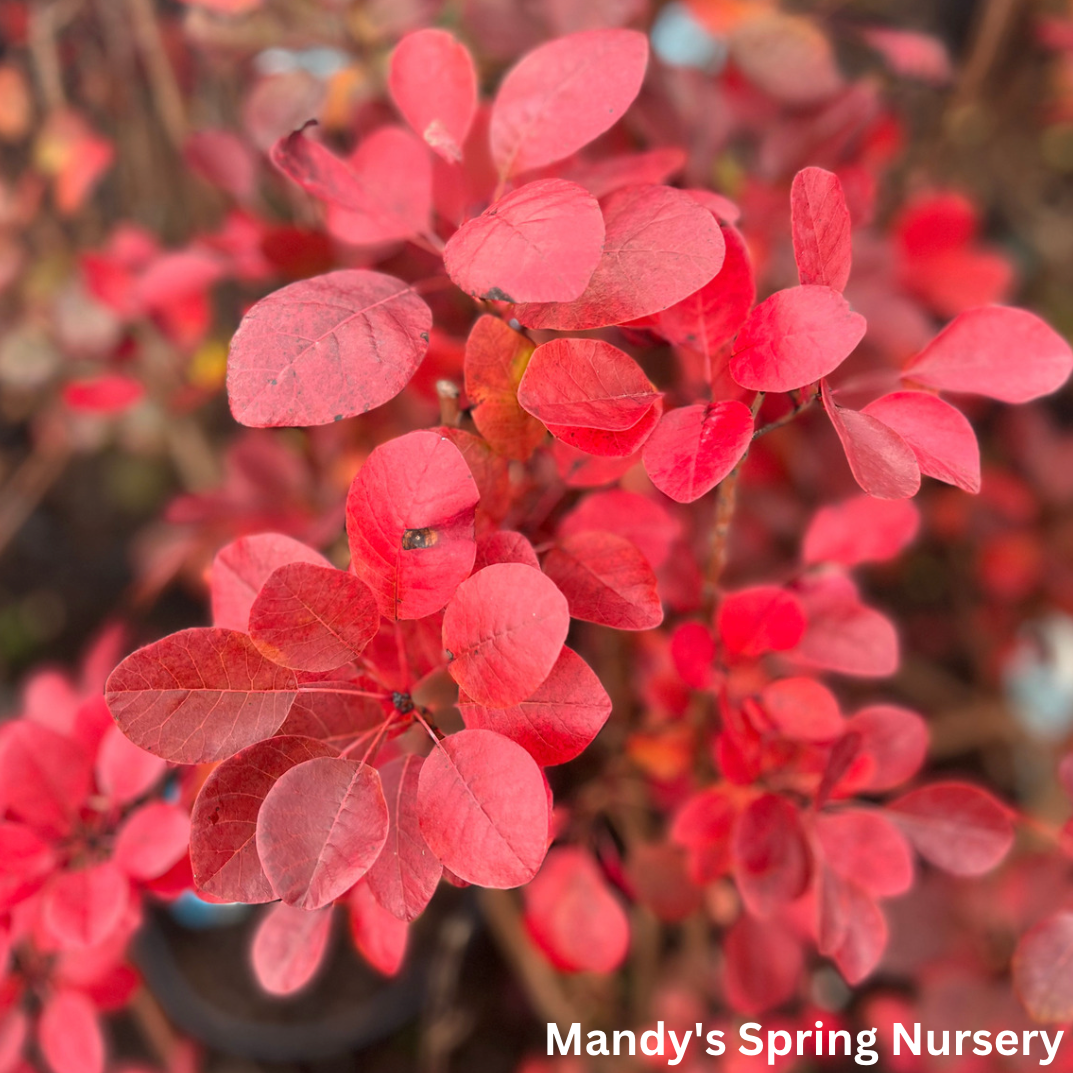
[(448, 392), (997, 17), (539, 979), (167, 97), (28, 485), (192, 455), (444, 1025), (801, 405), (154, 1025), (46, 20), (726, 503)]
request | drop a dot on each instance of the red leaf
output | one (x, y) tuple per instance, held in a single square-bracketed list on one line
[(563, 94), (395, 173), (109, 393), (821, 229), (911, 54), (606, 580), (223, 847), (45, 777), (241, 568), (320, 829), (843, 634), (603, 177), (558, 722), (326, 348), (124, 772), (794, 338), (868, 849), (222, 159), (504, 546), (894, 743), (762, 964), (332, 717), (641, 519), (660, 247), (14, 1030), (862, 529), (84, 908), (289, 946), (199, 695), (957, 827), (406, 874), (483, 805), (28, 861), (803, 710), (540, 243), (693, 653), (939, 436), (503, 632), (410, 518), (657, 878), (695, 447), (703, 826), (490, 471), (761, 619), (1043, 969), (607, 444), (313, 618), (581, 470), (712, 315), (433, 83), (585, 383), (786, 56), (378, 936), (1006, 354), (852, 928), (496, 358), (69, 1034), (152, 839), (383, 193), (574, 917), (883, 464), (771, 855)]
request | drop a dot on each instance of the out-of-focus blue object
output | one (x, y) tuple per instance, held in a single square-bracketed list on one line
[(321, 62), (190, 911), (680, 41), (1038, 677)]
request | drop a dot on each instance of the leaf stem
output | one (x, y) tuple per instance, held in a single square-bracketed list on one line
[(726, 503), (378, 735), (404, 662), (340, 687), (802, 404)]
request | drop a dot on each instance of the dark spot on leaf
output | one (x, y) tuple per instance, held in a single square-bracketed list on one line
[(450, 655), (339, 417), (413, 539), (424, 335), (272, 382), (403, 702), (497, 295)]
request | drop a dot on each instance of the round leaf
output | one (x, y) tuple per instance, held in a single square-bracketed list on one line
[(199, 695), (410, 516), (313, 618), (326, 348), (320, 829), (503, 632), (540, 243), (484, 808)]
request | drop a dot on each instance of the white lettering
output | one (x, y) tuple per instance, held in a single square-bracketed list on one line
[(573, 1038)]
